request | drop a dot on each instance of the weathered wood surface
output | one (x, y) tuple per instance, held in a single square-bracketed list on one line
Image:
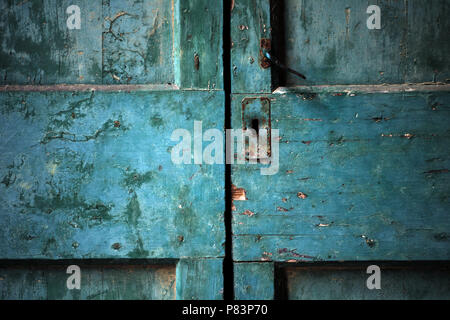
[(250, 22), (329, 42), (254, 281), (199, 279), (38, 48), (120, 42), (198, 44), (416, 282), (362, 177), (89, 175), (138, 41), (98, 282)]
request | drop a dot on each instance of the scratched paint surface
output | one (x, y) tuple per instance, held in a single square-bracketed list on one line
[(362, 177), (401, 283), (38, 48), (198, 58), (250, 22), (120, 42), (99, 282), (138, 41), (89, 175), (329, 41)]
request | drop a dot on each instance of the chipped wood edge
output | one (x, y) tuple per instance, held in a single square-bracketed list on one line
[(378, 88)]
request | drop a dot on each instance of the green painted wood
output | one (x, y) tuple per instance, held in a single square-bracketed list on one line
[(198, 46), (120, 42), (199, 279), (254, 281), (373, 169), (38, 48), (250, 22), (349, 283), (329, 41), (138, 41), (98, 282), (89, 175)]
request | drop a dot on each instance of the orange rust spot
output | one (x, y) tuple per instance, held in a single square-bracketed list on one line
[(307, 142), (408, 135), (116, 124), (284, 200), (238, 194), (248, 213), (323, 225), (302, 195), (196, 61), (282, 209), (265, 44)]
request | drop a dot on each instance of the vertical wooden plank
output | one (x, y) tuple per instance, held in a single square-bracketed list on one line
[(250, 23), (254, 280), (199, 279), (198, 46)]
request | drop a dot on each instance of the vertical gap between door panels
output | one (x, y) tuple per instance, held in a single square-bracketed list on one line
[(228, 276)]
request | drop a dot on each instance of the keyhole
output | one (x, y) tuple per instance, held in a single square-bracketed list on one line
[(255, 125)]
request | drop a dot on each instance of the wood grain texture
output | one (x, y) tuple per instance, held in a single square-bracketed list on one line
[(98, 282), (138, 41), (198, 44), (362, 177), (38, 48), (250, 22), (414, 282), (329, 41), (199, 279), (120, 42), (254, 280), (89, 175)]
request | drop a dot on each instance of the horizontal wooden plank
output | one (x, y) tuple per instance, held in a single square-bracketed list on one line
[(330, 43), (89, 175), (400, 282), (119, 42), (362, 176), (38, 48), (98, 282)]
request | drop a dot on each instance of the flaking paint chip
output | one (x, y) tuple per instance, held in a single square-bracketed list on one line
[(302, 195), (238, 194)]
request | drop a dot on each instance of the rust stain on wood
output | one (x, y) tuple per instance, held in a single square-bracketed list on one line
[(196, 62), (238, 194), (248, 213), (302, 195)]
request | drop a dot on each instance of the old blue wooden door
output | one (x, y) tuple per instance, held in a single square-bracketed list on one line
[(363, 175), (90, 94)]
